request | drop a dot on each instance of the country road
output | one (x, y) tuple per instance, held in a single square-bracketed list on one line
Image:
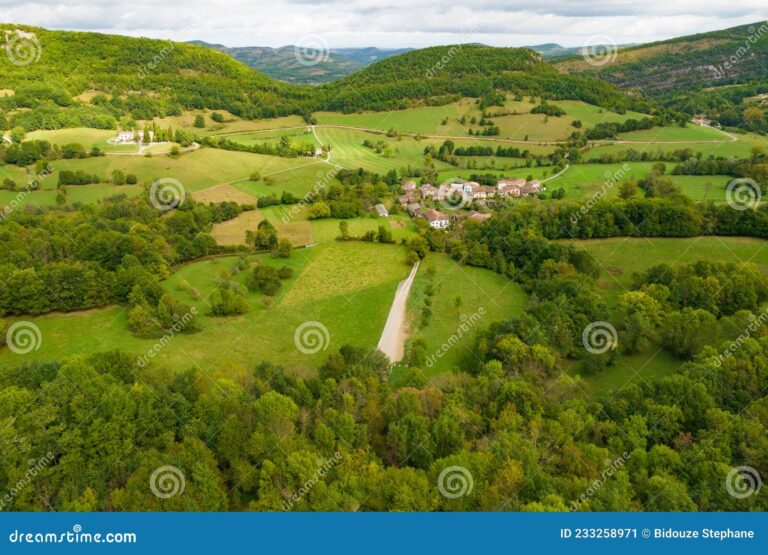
[(392, 339)]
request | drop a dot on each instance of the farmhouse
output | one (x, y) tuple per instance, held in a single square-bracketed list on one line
[(409, 186), (437, 219), (409, 197), (701, 119), (381, 210), (428, 191), (414, 210)]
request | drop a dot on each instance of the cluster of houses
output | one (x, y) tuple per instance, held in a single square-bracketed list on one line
[(470, 191), (466, 191)]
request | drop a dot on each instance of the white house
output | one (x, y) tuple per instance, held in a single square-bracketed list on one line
[(381, 210), (437, 219)]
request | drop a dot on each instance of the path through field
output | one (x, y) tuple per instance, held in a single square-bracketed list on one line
[(392, 340)]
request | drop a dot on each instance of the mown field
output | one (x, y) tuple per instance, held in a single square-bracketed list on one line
[(484, 297), (620, 257), (518, 124), (348, 287)]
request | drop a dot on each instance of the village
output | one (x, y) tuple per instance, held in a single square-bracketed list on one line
[(419, 201)]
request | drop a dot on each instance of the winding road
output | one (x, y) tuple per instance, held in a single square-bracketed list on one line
[(392, 340)]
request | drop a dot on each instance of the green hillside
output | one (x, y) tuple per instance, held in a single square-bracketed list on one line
[(717, 58), (93, 80)]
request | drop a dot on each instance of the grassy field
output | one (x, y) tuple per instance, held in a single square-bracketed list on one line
[(445, 120), (742, 147), (620, 257), (232, 124), (348, 287), (675, 133), (487, 295), (300, 136)]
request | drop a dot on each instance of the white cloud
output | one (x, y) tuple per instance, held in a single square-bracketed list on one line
[(395, 23)]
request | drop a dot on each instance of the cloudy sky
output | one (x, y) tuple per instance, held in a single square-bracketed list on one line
[(390, 23)]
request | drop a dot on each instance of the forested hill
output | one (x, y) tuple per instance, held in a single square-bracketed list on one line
[(145, 78), (465, 70), (735, 55)]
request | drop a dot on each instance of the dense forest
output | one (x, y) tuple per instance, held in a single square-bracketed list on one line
[(348, 439)]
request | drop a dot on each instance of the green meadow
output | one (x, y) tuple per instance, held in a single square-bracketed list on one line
[(330, 282), (483, 297)]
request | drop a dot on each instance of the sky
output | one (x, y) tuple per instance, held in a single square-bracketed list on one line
[(390, 23)]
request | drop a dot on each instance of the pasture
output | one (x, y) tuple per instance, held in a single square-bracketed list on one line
[(346, 287)]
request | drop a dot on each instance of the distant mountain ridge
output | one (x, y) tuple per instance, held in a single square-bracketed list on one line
[(282, 63)]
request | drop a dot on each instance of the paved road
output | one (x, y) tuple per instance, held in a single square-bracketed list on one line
[(392, 340)]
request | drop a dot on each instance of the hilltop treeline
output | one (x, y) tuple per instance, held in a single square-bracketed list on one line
[(145, 78)]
